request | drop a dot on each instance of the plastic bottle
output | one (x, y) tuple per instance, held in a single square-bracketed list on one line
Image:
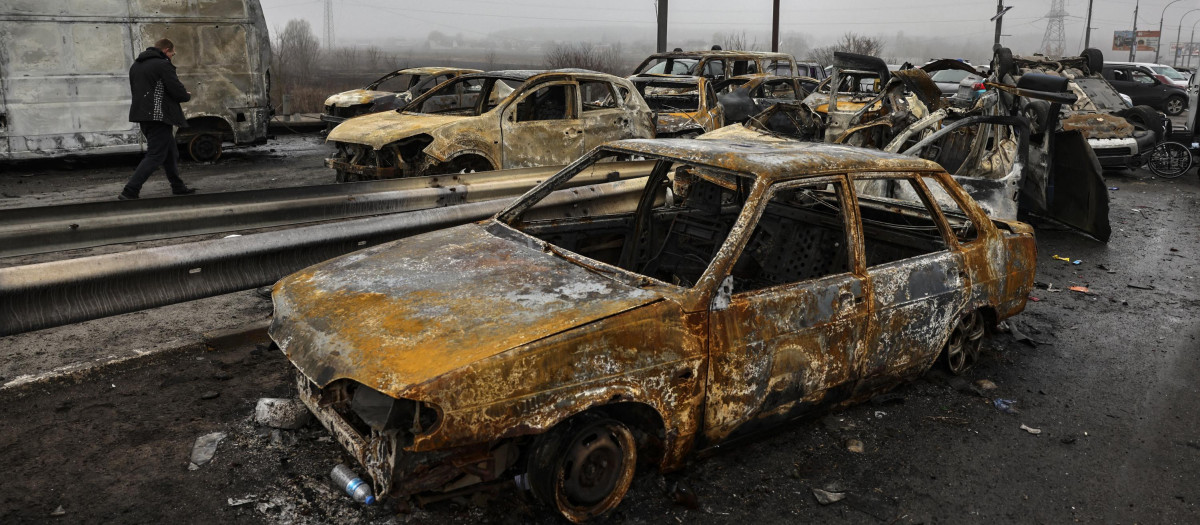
[(347, 480)]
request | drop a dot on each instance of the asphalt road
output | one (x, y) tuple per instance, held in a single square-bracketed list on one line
[(1111, 385)]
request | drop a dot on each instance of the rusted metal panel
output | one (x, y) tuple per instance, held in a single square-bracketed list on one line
[(65, 86)]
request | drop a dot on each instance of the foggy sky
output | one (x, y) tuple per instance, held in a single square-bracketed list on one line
[(961, 23)]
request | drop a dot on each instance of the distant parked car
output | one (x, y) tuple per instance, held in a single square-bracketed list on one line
[(718, 64), (1144, 88), (391, 91), (1164, 73), (809, 69)]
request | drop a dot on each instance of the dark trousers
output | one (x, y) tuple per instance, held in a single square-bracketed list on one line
[(161, 150)]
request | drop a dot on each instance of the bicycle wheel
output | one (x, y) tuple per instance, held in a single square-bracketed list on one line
[(1170, 159)]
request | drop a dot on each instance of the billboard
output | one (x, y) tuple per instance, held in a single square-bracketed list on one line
[(1146, 40)]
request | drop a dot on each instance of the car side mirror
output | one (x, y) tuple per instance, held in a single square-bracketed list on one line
[(724, 292)]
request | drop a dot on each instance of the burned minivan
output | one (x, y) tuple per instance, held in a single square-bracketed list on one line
[(559, 345)]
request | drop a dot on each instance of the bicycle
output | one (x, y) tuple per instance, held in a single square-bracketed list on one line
[(1169, 159)]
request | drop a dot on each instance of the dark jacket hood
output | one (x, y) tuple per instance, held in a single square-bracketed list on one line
[(151, 52)]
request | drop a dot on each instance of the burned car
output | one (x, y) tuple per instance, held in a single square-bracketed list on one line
[(748, 95), (683, 106), (489, 121), (717, 64), (391, 91), (559, 345)]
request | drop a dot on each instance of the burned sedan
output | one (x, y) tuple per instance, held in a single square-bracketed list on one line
[(391, 91), (489, 121), (559, 344)]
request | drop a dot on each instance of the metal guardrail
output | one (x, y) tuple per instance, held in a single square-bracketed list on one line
[(55, 293), (26, 231)]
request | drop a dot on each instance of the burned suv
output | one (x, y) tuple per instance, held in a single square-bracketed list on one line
[(560, 343), (488, 121)]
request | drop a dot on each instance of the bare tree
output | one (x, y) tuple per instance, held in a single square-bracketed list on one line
[(345, 58), (371, 57), (736, 41), (850, 42), (489, 60), (297, 52), (585, 56)]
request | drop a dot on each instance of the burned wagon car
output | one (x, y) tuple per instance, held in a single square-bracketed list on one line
[(559, 345), (391, 91), (488, 121), (684, 106)]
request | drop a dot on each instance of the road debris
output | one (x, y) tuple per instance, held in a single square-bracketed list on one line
[(1006, 405), (1140, 286), (211, 394), (250, 498), (1031, 430), (682, 494), (950, 420), (204, 449), (60, 511), (1080, 289), (288, 414), (855, 446), (985, 384), (825, 497)]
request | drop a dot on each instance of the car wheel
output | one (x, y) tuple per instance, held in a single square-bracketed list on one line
[(205, 147), (962, 349), (1175, 105), (1002, 63), (1094, 58), (1037, 111), (584, 467)]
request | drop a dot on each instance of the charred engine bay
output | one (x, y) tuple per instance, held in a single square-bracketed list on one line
[(1110, 385)]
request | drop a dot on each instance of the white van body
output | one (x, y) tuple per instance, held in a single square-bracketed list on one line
[(64, 72)]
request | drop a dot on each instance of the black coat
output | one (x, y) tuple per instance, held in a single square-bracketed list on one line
[(156, 89)]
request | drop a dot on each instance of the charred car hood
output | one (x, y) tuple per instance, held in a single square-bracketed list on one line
[(678, 122), (355, 97), (380, 129), (405, 312)]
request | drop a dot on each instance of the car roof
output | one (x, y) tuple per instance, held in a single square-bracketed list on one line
[(526, 74), (435, 70), (722, 54), (775, 162)]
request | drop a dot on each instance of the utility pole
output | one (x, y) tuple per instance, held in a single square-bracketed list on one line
[(328, 24), (1133, 45), (999, 18), (662, 26), (1087, 32), (1178, 33), (775, 27), (1160, 24)]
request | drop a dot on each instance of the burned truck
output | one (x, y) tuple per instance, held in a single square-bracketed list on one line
[(64, 74)]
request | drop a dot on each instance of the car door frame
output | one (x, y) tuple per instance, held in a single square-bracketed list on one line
[(883, 364), (515, 154), (745, 394)]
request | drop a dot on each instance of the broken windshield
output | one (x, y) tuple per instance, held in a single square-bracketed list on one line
[(466, 96), (671, 97)]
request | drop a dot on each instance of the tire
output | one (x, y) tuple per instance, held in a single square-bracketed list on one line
[(1037, 111), (1094, 58), (1002, 63), (205, 147), (1146, 117), (1175, 105), (583, 467), (962, 349), (1169, 160)]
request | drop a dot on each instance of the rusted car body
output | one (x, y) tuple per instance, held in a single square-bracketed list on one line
[(391, 91), (750, 284), (684, 106), (748, 95), (488, 121), (718, 64)]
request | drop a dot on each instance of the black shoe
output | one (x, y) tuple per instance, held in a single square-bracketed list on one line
[(184, 191), (124, 197)]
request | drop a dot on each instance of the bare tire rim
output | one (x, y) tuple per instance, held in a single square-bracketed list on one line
[(595, 471)]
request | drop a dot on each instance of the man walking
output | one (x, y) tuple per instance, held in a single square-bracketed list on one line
[(157, 93)]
